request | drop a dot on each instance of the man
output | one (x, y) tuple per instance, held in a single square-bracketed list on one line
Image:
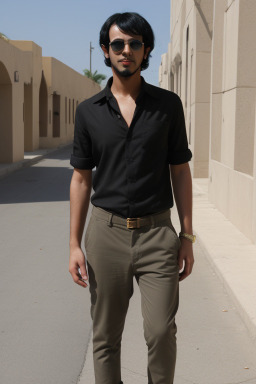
[(134, 133)]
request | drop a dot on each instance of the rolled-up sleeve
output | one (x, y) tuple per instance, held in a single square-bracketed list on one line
[(178, 151), (81, 157)]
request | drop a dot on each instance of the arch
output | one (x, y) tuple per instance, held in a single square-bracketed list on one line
[(69, 110), (56, 115), (178, 73), (73, 110), (6, 150), (177, 60), (28, 116), (172, 81), (172, 76), (43, 107)]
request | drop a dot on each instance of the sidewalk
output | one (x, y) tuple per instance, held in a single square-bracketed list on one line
[(231, 254), (232, 258)]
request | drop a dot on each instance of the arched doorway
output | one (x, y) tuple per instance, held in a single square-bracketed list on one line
[(56, 115), (43, 107), (6, 150), (28, 116), (178, 73)]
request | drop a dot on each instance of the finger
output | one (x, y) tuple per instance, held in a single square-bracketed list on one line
[(83, 272), (77, 278), (187, 270), (81, 283), (183, 275)]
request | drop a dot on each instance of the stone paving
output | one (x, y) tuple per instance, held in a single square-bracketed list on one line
[(217, 315)]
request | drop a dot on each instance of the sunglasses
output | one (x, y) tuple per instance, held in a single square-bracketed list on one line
[(118, 45)]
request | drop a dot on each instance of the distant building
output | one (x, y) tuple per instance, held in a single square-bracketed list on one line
[(210, 64), (38, 99)]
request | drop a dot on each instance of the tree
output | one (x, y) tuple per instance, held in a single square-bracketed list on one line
[(3, 36), (97, 77)]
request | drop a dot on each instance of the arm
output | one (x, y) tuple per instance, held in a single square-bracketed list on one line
[(80, 192), (182, 189)]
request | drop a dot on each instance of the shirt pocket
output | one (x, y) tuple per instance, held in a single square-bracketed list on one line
[(155, 136), (88, 230)]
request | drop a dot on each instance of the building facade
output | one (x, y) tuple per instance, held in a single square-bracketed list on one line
[(38, 99), (210, 64)]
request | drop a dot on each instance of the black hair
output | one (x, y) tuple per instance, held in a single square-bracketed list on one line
[(129, 22)]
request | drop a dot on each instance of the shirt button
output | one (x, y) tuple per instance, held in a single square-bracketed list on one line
[(118, 116)]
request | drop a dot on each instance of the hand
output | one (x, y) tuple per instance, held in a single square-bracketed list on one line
[(76, 261), (185, 258)]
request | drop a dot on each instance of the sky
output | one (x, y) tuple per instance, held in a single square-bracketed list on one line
[(64, 28)]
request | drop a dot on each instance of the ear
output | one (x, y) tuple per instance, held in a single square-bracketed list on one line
[(105, 50), (146, 53)]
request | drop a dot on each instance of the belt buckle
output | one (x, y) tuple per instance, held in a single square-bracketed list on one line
[(133, 223)]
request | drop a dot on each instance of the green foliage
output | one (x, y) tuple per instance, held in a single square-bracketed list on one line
[(95, 76), (3, 36)]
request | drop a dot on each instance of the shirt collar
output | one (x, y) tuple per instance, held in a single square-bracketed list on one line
[(107, 94)]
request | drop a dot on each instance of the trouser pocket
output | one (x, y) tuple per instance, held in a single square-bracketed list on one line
[(88, 231)]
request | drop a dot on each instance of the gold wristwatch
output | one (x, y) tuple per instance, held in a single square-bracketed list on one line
[(191, 238)]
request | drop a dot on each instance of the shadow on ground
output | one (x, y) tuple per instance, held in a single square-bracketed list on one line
[(47, 180)]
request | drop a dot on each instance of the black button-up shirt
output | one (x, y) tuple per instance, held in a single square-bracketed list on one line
[(132, 177)]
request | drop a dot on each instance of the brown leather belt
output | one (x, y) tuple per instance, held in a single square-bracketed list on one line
[(131, 222)]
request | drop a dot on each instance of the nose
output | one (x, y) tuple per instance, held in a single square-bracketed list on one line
[(127, 50)]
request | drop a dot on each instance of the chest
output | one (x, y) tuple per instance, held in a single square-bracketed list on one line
[(127, 108), (137, 129)]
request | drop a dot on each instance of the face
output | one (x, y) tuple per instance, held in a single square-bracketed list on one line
[(128, 61)]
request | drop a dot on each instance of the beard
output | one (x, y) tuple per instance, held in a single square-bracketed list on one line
[(125, 72)]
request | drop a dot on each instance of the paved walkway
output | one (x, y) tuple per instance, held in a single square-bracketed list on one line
[(217, 314), (45, 321), (231, 254)]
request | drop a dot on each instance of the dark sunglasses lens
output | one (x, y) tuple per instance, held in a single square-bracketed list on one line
[(117, 46), (135, 45)]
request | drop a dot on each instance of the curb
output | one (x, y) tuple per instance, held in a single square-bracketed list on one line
[(7, 168), (249, 321), (229, 252)]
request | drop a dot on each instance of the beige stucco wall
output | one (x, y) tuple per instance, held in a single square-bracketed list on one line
[(232, 160), (185, 69), (219, 98), (13, 59), (20, 100), (34, 66), (75, 87)]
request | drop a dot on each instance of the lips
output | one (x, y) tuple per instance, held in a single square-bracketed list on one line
[(126, 61)]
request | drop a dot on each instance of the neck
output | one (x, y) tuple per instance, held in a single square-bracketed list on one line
[(126, 86)]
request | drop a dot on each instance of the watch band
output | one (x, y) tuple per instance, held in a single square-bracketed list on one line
[(187, 236)]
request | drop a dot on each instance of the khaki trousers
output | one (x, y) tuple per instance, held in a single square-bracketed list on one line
[(114, 255)]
